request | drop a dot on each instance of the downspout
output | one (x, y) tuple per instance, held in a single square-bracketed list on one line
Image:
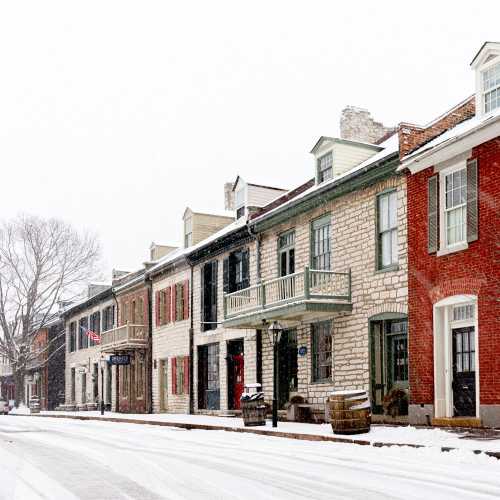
[(117, 368), (149, 287), (191, 344)]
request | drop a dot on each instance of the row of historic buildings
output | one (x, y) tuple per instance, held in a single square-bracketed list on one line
[(382, 268)]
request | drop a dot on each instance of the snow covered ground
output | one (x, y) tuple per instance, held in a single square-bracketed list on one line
[(67, 459), (379, 433)]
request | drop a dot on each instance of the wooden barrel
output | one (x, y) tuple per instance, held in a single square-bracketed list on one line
[(350, 412)]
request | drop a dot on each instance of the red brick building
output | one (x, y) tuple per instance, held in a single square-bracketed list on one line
[(454, 256)]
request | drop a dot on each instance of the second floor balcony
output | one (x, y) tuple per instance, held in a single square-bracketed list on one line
[(305, 295), (124, 337)]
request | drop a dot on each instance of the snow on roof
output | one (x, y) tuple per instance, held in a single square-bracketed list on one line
[(182, 252), (453, 134), (390, 146)]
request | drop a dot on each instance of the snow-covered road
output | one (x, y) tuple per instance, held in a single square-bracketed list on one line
[(67, 459)]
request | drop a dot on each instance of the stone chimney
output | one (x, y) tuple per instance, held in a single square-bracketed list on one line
[(228, 196), (95, 288), (357, 124)]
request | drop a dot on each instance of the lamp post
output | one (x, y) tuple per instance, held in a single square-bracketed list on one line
[(274, 332), (103, 362)]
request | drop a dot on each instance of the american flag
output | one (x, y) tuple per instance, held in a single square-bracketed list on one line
[(95, 337)]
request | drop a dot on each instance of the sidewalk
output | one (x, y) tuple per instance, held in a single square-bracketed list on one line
[(378, 436)]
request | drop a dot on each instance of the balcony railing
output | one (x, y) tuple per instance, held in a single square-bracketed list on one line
[(124, 337), (306, 285)]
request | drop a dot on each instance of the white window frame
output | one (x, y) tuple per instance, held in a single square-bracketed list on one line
[(390, 229), (495, 62), (444, 248), (319, 171), (188, 231)]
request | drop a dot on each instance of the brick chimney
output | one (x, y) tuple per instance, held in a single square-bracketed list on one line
[(357, 124)]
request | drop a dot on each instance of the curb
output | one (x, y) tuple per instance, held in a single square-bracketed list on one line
[(261, 432)]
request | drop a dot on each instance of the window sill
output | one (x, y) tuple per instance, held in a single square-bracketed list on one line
[(387, 269), (322, 382), (453, 249)]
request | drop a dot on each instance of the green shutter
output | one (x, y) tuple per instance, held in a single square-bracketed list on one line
[(472, 205), (433, 214)]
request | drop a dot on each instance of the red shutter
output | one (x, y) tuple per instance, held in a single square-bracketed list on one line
[(157, 311), (167, 305), (173, 313), (186, 374), (186, 299), (174, 375)]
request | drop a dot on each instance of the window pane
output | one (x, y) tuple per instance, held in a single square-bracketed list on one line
[(386, 249), (383, 213), (394, 249), (393, 210)]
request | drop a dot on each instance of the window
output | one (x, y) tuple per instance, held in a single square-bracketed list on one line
[(491, 88), (124, 314), (325, 167), (179, 301), (239, 202), (188, 232), (139, 311), (455, 208), (387, 229), (321, 244), (209, 296), (208, 377), (180, 375), (82, 333), (108, 317), (163, 307), (462, 313), (322, 351), (236, 274), (72, 337), (286, 253), (95, 326)]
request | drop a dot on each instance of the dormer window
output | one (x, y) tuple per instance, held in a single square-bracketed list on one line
[(491, 88), (188, 232), (239, 202), (325, 167)]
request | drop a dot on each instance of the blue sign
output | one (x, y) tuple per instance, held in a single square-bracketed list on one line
[(119, 359), (302, 350)]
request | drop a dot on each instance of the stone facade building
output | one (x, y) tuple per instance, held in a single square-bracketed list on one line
[(454, 227), (331, 267)]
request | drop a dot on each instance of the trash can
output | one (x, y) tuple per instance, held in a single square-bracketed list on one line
[(253, 407), (35, 404)]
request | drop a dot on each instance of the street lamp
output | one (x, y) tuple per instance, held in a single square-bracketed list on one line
[(274, 332), (103, 364)]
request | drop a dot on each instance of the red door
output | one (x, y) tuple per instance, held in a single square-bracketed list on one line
[(238, 379)]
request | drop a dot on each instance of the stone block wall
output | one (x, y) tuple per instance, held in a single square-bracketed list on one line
[(353, 245), (168, 341)]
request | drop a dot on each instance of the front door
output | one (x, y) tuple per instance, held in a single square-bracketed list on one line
[(287, 366), (464, 372), (235, 373), (208, 377), (139, 380), (163, 385)]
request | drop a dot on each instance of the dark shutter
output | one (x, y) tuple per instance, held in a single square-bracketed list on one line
[(472, 205), (173, 314), (433, 214), (157, 305), (214, 294), (225, 275), (245, 266), (202, 298)]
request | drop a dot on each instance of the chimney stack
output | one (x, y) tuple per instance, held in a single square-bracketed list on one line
[(357, 124), (228, 196)]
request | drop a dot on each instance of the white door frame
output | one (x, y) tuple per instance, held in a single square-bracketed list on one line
[(443, 351)]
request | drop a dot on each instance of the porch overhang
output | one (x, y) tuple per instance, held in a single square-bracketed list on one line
[(294, 313)]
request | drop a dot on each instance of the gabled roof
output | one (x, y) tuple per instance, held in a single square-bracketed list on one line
[(239, 178), (487, 49), (324, 138)]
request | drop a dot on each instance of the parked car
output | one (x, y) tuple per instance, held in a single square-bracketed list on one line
[(4, 407)]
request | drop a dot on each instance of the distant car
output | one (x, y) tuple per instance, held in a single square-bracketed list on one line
[(4, 407)]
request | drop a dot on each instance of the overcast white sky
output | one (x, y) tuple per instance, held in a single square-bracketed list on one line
[(117, 115)]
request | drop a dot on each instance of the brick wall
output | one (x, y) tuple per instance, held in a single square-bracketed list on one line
[(412, 137), (475, 270)]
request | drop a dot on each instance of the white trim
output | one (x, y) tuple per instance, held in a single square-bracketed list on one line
[(444, 248), (443, 309)]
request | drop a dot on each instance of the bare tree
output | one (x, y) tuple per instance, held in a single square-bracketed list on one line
[(41, 261)]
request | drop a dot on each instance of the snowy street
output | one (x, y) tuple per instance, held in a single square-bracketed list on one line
[(67, 459)]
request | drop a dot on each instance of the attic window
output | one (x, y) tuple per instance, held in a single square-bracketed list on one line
[(188, 232), (240, 202), (325, 167), (491, 88)]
